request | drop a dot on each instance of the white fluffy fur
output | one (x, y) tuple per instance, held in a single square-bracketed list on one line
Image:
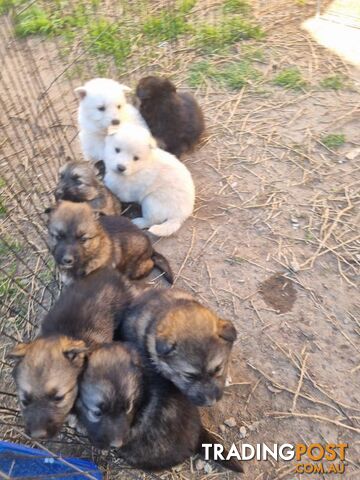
[(157, 180), (94, 123)]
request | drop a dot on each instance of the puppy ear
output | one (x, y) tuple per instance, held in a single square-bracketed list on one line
[(152, 143), (74, 350), (164, 346), (18, 352), (100, 169), (80, 92), (170, 87), (126, 88), (226, 330)]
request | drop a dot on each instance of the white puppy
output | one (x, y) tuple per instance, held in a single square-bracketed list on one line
[(138, 171), (102, 104)]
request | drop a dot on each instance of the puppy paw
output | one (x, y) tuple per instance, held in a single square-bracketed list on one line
[(141, 222), (73, 422)]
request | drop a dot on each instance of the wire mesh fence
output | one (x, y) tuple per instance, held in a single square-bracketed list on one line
[(46, 50)]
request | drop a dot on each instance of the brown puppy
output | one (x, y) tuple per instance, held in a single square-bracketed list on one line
[(186, 342), (81, 241), (82, 182), (123, 403), (48, 368), (175, 119)]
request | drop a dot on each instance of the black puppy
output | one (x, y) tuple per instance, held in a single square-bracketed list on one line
[(175, 119), (123, 403)]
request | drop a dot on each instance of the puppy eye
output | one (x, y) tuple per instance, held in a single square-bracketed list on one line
[(57, 398), (58, 235), (96, 413), (216, 371), (101, 109), (83, 239), (25, 402), (136, 157), (192, 376), (76, 180), (117, 150)]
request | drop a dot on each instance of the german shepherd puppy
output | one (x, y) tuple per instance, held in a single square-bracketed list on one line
[(82, 182), (81, 241), (47, 369), (186, 342), (123, 403), (175, 119)]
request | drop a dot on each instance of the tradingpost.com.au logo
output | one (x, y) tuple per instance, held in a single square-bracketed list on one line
[(313, 458)]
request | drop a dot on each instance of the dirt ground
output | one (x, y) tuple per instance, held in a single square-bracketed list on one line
[(274, 246)]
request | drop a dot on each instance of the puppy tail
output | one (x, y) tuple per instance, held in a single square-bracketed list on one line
[(163, 265), (232, 464), (165, 229)]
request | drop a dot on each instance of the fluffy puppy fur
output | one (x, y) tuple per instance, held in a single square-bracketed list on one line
[(186, 342), (102, 104), (175, 119), (47, 369), (81, 241), (124, 404), (82, 182), (138, 171)]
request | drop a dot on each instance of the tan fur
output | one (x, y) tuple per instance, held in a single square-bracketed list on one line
[(46, 378), (188, 343), (82, 182), (82, 241)]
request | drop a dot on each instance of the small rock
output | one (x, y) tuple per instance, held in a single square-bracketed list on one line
[(352, 154), (222, 428), (273, 389), (253, 426), (294, 264), (178, 468), (230, 422), (243, 432), (200, 464), (208, 468)]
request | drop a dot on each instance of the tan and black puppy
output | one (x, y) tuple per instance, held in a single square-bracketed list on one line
[(186, 342), (175, 119), (82, 182), (123, 403), (47, 369), (82, 241)]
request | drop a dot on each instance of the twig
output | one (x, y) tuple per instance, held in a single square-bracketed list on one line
[(318, 418), (303, 366)]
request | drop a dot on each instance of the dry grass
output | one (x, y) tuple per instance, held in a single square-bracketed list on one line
[(271, 197)]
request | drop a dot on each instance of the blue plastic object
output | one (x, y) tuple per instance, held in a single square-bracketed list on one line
[(18, 461)]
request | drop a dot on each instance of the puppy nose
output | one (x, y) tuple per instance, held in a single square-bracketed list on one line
[(67, 260), (115, 122), (121, 168)]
